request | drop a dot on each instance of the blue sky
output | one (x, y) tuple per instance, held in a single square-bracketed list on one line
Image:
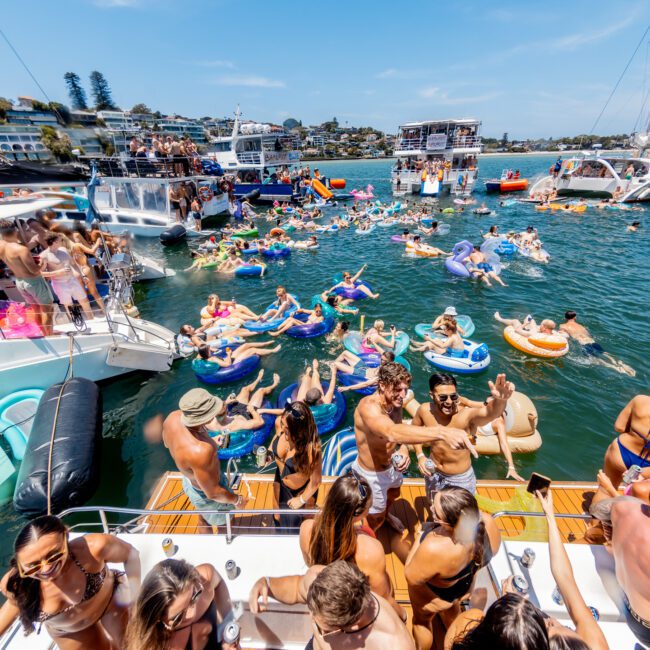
[(530, 68)]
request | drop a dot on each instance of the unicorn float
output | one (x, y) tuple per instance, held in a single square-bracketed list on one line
[(359, 195)]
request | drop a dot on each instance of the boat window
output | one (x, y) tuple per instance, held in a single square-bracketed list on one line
[(249, 145), (151, 222), (75, 216), (221, 146), (126, 196), (124, 219), (102, 197), (154, 198)]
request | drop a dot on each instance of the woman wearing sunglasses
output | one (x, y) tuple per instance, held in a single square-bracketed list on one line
[(339, 532), (179, 606), (297, 451), (66, 585), (444, 560)]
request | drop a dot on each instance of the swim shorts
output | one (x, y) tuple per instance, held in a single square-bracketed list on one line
[(67, 290), (484, 266), (593, 349), (35, 291), (239, 408), (200, 501), (380, 483), (439, 480)]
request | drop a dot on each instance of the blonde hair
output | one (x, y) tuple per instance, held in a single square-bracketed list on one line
[(548, 323), (378, 324)]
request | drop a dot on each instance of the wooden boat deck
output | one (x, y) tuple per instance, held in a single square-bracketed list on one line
[(411, 508)]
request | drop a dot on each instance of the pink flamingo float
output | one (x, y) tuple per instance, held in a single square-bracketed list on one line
[(363, 196)]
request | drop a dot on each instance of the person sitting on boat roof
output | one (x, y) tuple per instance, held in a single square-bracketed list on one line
[(186, 433), (66, 585), (445, 559), (344, 611), (339, 532), (454, 466), (180, 606)]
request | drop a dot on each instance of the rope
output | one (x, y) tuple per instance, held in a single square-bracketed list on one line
[(67, 378)]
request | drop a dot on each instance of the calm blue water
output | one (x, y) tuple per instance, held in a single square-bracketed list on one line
[(597, 268)]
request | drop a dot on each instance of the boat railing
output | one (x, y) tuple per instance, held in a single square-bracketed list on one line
[(466, 141), (249, 157), (138, 524), (180, 166), (410, 144)]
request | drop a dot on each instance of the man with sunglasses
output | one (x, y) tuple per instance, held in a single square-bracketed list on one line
[(344, 612), (453, 466), (380, 435)]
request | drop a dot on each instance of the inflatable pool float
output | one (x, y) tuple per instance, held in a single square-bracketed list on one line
[(250, 270), (352, 294), (549, 346), (243, 441), (367, 231), (482, 211), (328, 310), (276, 250), (399, 239), (369, 361), (521, 428), (241, 234), (310, 330), (339, 453), (454, 264), (75, 454), (18, 322), (425, 251), (448, 210), (506, 185), (272, 324), (253, 250), (474, 358), (17, 412), (327, 416), (337, 183), (422, 329), (505, 247), (353, 343), (213, 373), (303, 245)]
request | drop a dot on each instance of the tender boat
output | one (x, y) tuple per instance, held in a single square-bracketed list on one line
[(509, 182)]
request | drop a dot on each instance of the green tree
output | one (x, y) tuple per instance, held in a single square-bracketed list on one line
[(101, 92), (504, 140), (141, 108), (5, 105), (59, 144), (76, 92)]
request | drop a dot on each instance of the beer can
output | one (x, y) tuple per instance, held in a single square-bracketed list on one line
[(260, 456), (168, 546), (528, 557), (520, 584), (397, 459), (429, 465), (231, 633), (557, 597), (631, 474), (231, 569)]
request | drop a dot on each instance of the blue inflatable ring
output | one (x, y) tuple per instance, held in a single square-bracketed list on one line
[(273, 324), (474, 358), (243, 442), (327, 416), (213, 373), (310, 330), (369, 361), (353, 341), (352, 294), (276, 251)]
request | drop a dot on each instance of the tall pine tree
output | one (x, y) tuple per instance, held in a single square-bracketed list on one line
[(75, 91), (101, 92)]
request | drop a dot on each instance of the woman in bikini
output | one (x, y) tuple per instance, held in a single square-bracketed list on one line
[(297, 451), (375, 342), (65, 585), (225, 311), (339, 532), (179, 606), (79, 252), (349, 282), (441, 566)]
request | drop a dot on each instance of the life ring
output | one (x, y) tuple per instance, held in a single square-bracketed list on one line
[(198, 166), (205, 194), (327, 416), (524, 344)]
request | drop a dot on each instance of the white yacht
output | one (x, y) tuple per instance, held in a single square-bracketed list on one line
[(251, 154), (434, 156)]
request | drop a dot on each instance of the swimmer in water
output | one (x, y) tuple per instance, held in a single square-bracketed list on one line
[(572, 329), (634, 226)]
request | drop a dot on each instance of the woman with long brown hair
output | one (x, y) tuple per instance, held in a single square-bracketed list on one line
[(339, 533), (441, 566), (66, 585), (297, 451)]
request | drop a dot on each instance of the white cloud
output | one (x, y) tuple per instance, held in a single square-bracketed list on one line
[(573, 41), (217, 63), (250, 80)]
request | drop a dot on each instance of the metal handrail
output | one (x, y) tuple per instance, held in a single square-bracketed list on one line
[(522, 513)]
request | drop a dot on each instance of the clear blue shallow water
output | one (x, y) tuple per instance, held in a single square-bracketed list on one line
[(597, 268)]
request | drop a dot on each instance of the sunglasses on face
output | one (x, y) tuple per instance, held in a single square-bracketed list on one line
[(361, 486), (443, 398), (27, 570), (290, 408), (174, 622)]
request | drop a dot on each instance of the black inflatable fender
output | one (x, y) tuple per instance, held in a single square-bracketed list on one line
[(173, 235)]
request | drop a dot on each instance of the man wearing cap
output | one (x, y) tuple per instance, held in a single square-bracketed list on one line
[(185, 434)]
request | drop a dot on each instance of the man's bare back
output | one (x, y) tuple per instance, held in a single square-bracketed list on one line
[(577, 331), (19, 260)]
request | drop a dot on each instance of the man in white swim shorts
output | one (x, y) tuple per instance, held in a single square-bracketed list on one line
[(380, 435)]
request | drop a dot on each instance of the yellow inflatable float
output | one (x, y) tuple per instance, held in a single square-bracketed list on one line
[(547, 346), (521, 426)]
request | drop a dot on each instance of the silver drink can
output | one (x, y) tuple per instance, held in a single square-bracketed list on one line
[(557, 597), (260, 456), (231, 569), (168, 546), (631, 474), (231, 633), (429, 465), (520, 584), (397, 460), (528, 558)]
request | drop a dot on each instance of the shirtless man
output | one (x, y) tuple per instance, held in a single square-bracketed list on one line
[(29, 281), (57, 265), (454, 466), (529, 325), (479, 267), (631, 533), (185, 434), (528, 236), (345, 614), (590, 348), (380, 434)]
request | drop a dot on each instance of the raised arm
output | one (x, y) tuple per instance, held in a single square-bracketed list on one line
[(357, 275), (586, 626), (501, 391)]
